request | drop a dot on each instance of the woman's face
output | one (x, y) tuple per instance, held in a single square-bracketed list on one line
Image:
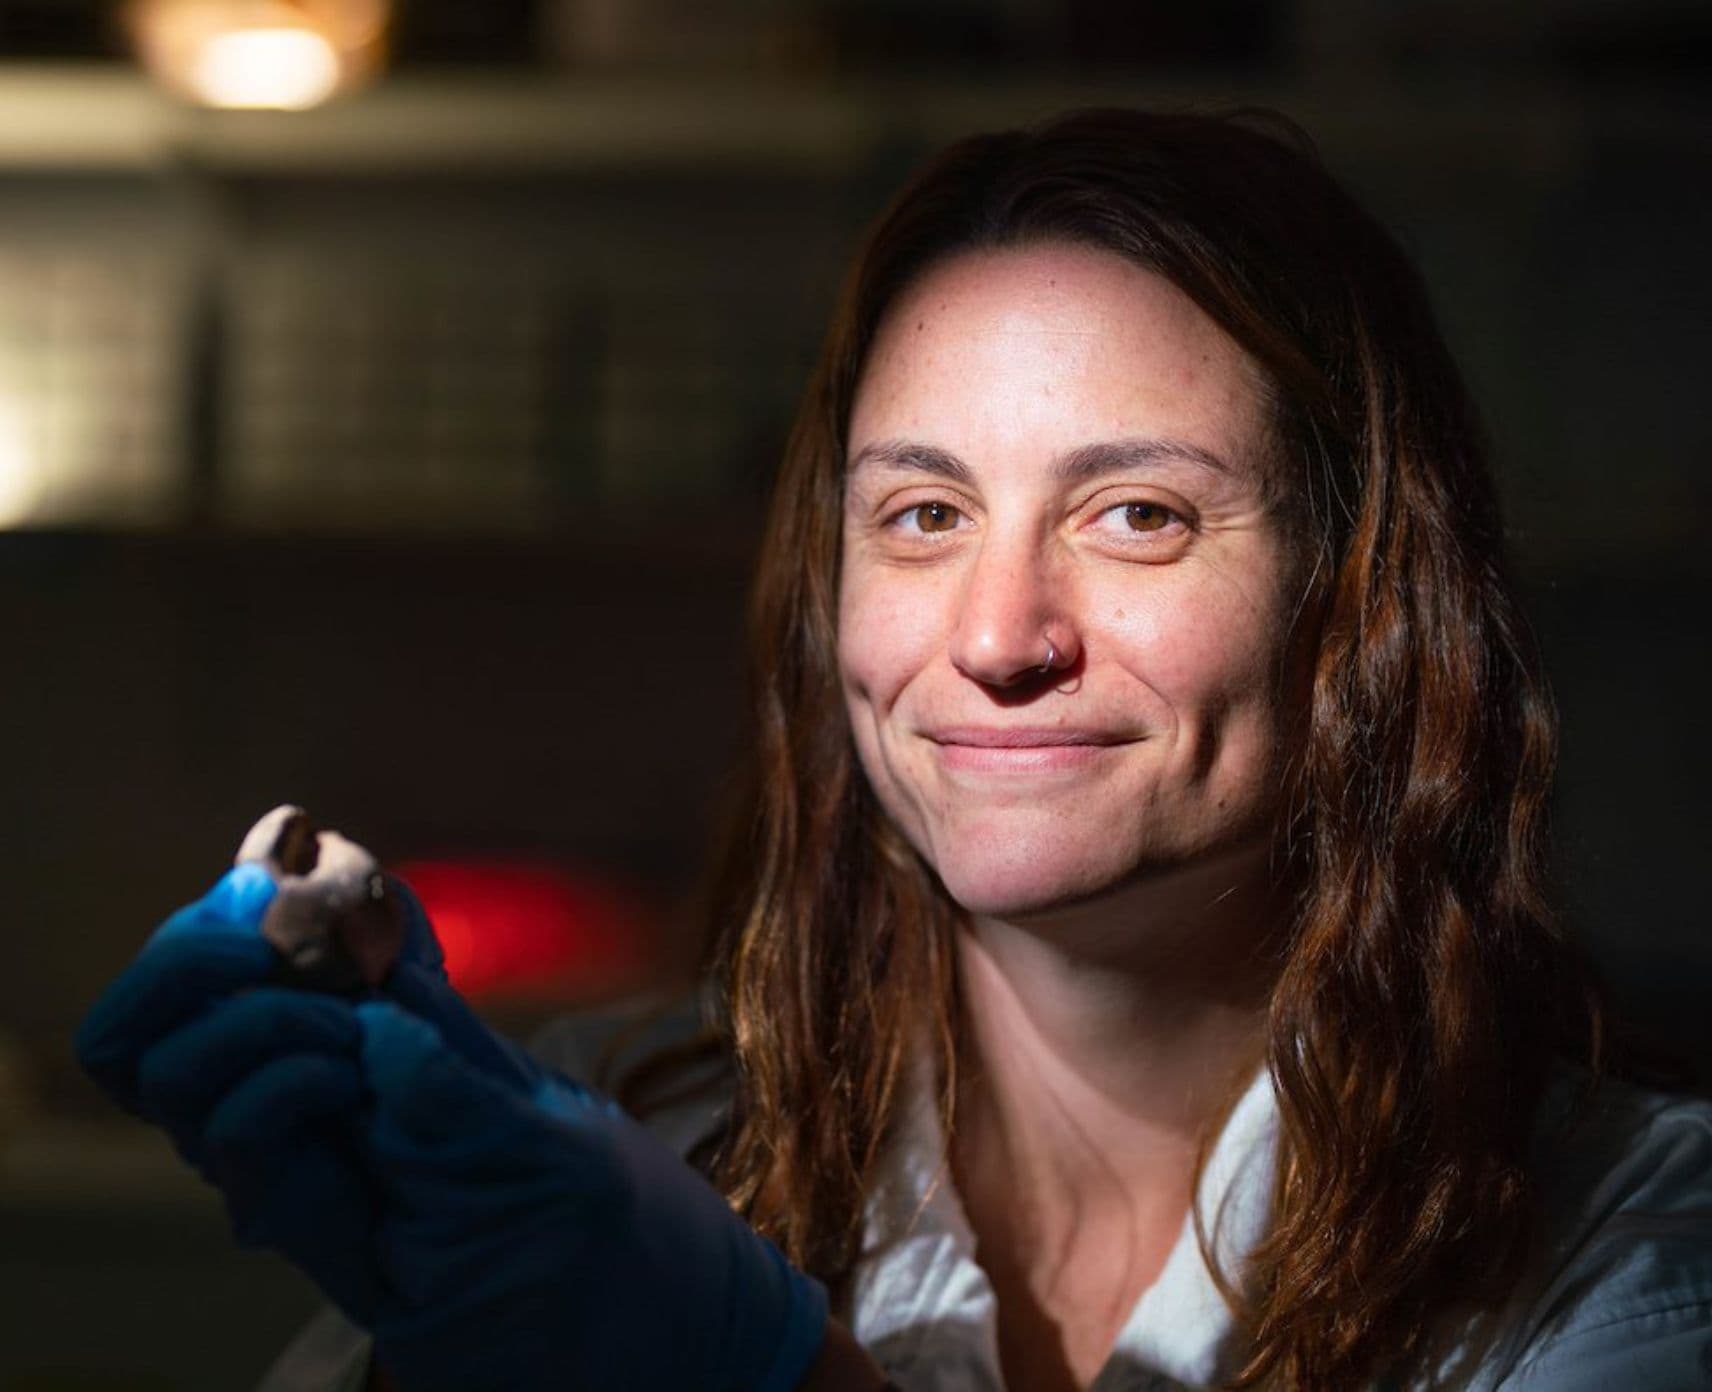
[(1052, 446)]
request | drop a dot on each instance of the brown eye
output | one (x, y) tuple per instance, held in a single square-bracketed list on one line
[(1146, 517), (936, 517)]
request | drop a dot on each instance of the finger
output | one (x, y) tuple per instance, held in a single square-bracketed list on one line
[(418, 1082), (446, 1140), (289, 1095), (310, 1202), (206, 950), (281, 1149), (426, 993), (422, 1086), (182, 1078)]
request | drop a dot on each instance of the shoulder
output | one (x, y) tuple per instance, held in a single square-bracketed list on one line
[(1621, 1287), (644, 1052), (596, 1044)]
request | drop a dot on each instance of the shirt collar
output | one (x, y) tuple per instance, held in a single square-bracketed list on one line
[(919, 1298)]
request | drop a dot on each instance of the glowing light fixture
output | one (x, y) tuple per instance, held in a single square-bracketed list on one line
[(286, 68), (281, 55)]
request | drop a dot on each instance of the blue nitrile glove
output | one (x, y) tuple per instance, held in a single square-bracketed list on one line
[(532, 1231), (545, 1240), (258, 1086), (496, 1226), (419, 983), (205, 951)]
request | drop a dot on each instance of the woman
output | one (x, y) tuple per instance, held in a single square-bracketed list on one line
[(1134, 959)]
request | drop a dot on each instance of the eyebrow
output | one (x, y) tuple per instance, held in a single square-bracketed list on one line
[(1080, 465)]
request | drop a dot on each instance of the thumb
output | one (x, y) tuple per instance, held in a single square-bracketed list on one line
[(234, 906), (421, 943), (419, 983)]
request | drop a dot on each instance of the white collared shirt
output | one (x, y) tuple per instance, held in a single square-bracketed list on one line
[(1619, 1300)]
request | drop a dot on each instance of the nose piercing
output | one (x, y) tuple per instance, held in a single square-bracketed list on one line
[(1051, 658)]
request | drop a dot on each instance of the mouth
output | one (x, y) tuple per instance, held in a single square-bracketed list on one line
[(1023, 749)]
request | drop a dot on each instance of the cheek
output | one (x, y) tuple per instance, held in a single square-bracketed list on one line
[(886, 634), (1201, 646)]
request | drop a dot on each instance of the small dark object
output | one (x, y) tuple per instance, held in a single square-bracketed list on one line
[(296, 850), (336, 921)]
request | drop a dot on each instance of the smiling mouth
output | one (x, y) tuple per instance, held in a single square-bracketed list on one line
[(1022, 751)]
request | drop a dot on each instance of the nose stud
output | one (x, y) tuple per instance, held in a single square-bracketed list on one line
[(1051, 658)]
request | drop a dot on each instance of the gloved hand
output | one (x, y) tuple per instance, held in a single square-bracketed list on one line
[(544, 1240), (496, 1226), (528, 1226), (259, 1087)]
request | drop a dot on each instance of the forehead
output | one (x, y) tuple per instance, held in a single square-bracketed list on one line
[(1055, 346)]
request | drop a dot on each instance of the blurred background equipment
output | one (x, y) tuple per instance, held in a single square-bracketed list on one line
[(403, 454)]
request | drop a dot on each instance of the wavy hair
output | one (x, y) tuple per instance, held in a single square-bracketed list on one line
[(1424, 989)]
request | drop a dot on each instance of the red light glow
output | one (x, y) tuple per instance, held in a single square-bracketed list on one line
[(525, 932)]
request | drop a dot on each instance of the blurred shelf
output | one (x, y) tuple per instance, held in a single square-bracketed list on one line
[(92, 117)]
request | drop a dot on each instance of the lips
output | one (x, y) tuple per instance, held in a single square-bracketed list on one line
[(1022, 749), (1021, 737)]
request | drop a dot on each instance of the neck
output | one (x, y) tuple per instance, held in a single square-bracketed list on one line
[(1104, 1040), (1105, 1037)]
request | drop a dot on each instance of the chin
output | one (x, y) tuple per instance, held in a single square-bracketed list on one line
[(1026, 876), (1022, 885)]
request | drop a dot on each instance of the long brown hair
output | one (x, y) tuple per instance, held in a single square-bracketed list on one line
[(1424, 990)]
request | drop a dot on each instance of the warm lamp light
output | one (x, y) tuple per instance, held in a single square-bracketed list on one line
[(20, 470), (280, 55), (284, 68)]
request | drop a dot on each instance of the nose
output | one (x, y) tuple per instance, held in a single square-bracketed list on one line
[(1016, 623)]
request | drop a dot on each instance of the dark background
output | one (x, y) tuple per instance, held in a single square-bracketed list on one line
[(404, 458)]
